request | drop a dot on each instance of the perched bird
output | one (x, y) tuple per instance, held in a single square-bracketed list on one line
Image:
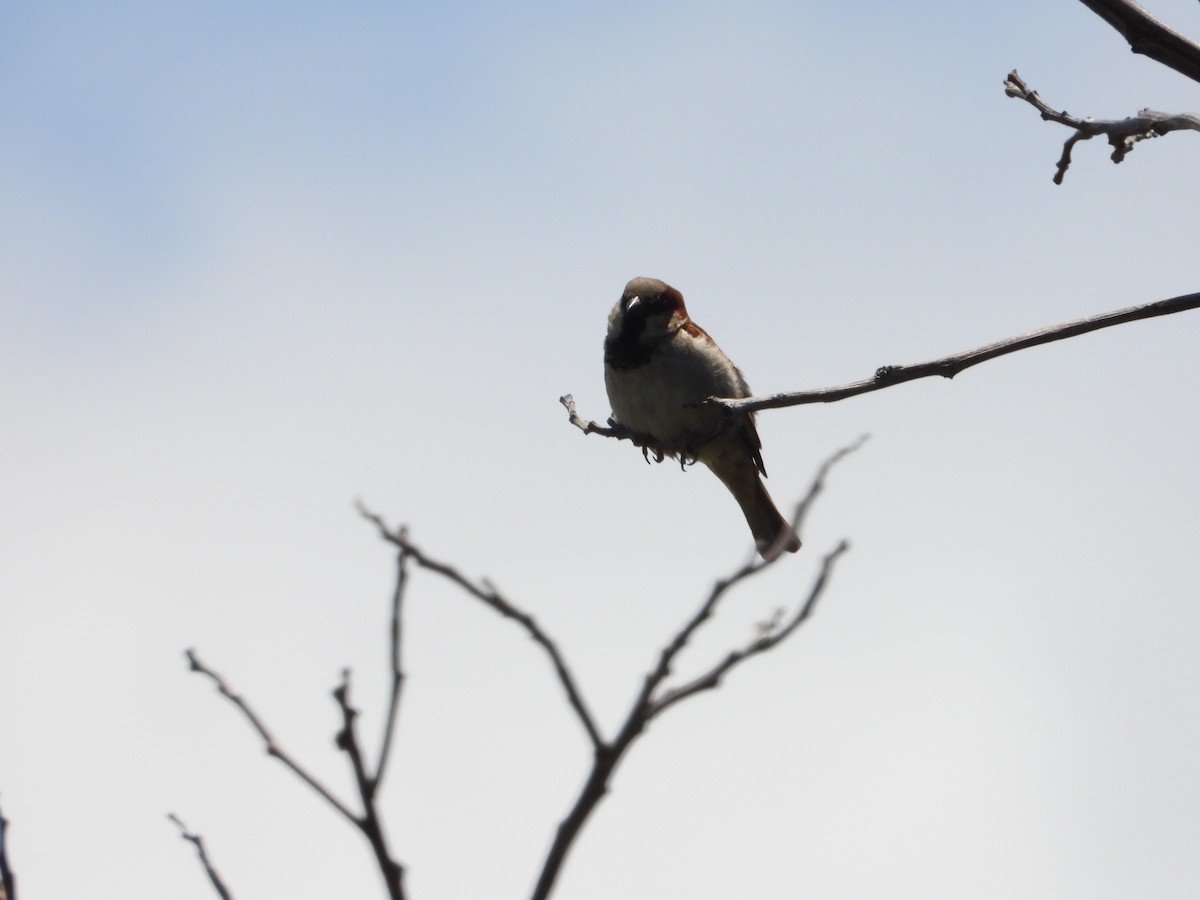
[(659, 366)]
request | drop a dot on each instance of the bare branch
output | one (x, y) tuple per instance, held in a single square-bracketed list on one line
[(370, 824), (614, 431), (1122, 134), (818, 483), (766, 641), (273, 747), (647, 706), (773, 636), (607, 757), (1148, 36), (213, 877), (620, 432), (606, 754), (487, 593), (949, 366), (8, 881), (389, 727), (347, 741)]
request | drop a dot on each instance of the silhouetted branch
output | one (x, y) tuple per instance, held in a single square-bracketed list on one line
[(389, 727), (949, 366), (368, 823), (651, 702), (818, 483), (615, 430), (8, 881), (273, 747), (1122, 134), (489, 595), (195, 839), (1148, 36), (773, 636), (946, 367)]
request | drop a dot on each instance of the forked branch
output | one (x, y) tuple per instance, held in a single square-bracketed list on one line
[(653, 698), (772, 634), (366, 780), (274, 749), (1122, 134), (486, 592)]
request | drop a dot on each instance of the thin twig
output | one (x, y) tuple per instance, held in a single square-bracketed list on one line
[(949, 366), (618, 431), (607, 758), (817, 486), (712, 678), (195, 839), (273, 747), (346, 739), (772, 635), (489, 595), (1122, 134), (369, 824), (389, 727)]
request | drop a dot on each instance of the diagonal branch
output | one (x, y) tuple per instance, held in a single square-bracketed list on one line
[(644, 707), (817, 487), (606, 754), (1148, 36), (947, 366), (368, 823), (491, 597), (273, 747), (712, 678), (1122, 134), (647, 706), (214, 877), (389, 727)]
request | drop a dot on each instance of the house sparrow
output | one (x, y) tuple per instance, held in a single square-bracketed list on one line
[(659, 367)]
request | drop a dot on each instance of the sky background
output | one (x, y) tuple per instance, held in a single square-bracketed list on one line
[(261, 261)]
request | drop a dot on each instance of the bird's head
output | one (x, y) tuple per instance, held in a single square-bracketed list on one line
[(648, 310)]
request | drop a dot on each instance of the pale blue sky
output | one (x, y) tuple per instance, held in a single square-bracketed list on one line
[(260, 262)]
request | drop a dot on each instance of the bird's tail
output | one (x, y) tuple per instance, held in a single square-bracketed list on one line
[(773, 534)]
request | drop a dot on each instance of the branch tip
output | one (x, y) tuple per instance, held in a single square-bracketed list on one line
[(1121, 134), (197, 841)]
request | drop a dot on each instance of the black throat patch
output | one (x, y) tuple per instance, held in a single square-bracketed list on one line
[(626, 349)]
